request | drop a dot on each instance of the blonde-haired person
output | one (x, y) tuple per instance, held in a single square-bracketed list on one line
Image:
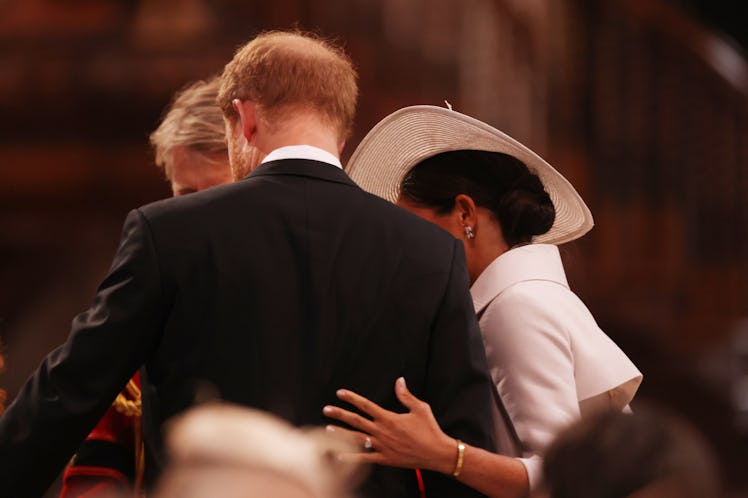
[(549, 361), (190, 143), (190, 147), (230, 451), (273, 290)]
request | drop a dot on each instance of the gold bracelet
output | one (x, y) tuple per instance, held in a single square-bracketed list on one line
[(460, 456)]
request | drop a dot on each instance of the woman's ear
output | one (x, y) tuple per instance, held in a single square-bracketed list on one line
[(467, 214)]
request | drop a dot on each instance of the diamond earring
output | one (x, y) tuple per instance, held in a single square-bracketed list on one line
[(469, 232)]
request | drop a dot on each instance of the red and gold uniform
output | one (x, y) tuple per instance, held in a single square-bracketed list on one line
[(110, 460)]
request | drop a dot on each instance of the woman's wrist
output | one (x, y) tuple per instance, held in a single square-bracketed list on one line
[(458, 460), (448, 455)]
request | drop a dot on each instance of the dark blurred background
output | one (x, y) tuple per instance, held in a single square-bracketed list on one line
[(642, 104)]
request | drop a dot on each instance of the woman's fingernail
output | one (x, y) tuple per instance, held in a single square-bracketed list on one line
[(329, 428), (327, 410), (341, 393)]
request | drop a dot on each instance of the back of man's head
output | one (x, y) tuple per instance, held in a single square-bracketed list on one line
[(283, 72)]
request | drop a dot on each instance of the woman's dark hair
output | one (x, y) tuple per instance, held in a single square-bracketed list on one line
[(495, 181)]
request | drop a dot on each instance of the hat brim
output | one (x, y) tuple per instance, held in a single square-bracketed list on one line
[(410, 135)]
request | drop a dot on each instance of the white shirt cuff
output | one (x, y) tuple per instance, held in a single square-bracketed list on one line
[(534, 467)]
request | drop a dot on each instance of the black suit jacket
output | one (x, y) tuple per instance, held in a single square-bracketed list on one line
[(276, 291)]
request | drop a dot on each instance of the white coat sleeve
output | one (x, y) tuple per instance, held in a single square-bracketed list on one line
[(531, 362)]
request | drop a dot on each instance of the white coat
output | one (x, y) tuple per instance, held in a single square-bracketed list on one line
[(550, 362)]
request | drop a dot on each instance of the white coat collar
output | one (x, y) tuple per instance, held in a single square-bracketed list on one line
[(529, 262)]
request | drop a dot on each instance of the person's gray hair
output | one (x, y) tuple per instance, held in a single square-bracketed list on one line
[(234, 452)]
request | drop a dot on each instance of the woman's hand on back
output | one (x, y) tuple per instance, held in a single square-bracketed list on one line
[(411, 440)]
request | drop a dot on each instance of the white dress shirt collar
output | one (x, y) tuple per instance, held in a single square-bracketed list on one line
[(302, 152), (529, 262)]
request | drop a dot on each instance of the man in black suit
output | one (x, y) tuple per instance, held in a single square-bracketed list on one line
[(275, 290)]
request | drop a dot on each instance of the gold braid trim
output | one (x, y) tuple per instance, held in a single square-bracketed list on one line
[(129, 402)]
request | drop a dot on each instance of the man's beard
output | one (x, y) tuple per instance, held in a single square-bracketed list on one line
[(243, 158)]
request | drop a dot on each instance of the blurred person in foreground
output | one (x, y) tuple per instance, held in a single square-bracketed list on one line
[(550, 362), (272, 291), (647, 454), (227, 451), (190, 147)]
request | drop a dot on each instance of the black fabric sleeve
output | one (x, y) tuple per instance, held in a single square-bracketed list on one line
[(73, 386)]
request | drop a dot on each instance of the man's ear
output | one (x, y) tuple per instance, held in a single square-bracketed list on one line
[(247, 116)]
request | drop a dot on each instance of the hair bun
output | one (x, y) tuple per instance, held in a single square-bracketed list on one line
[(526, 210)]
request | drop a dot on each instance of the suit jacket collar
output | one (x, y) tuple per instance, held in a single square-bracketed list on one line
[(302, 167)]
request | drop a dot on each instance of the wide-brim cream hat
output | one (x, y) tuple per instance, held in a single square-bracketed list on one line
[(410, 135)]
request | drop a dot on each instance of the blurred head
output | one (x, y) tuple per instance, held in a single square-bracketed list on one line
[(489, 200), (277, 77), (236, 452), (642, 455), (190, 142)]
